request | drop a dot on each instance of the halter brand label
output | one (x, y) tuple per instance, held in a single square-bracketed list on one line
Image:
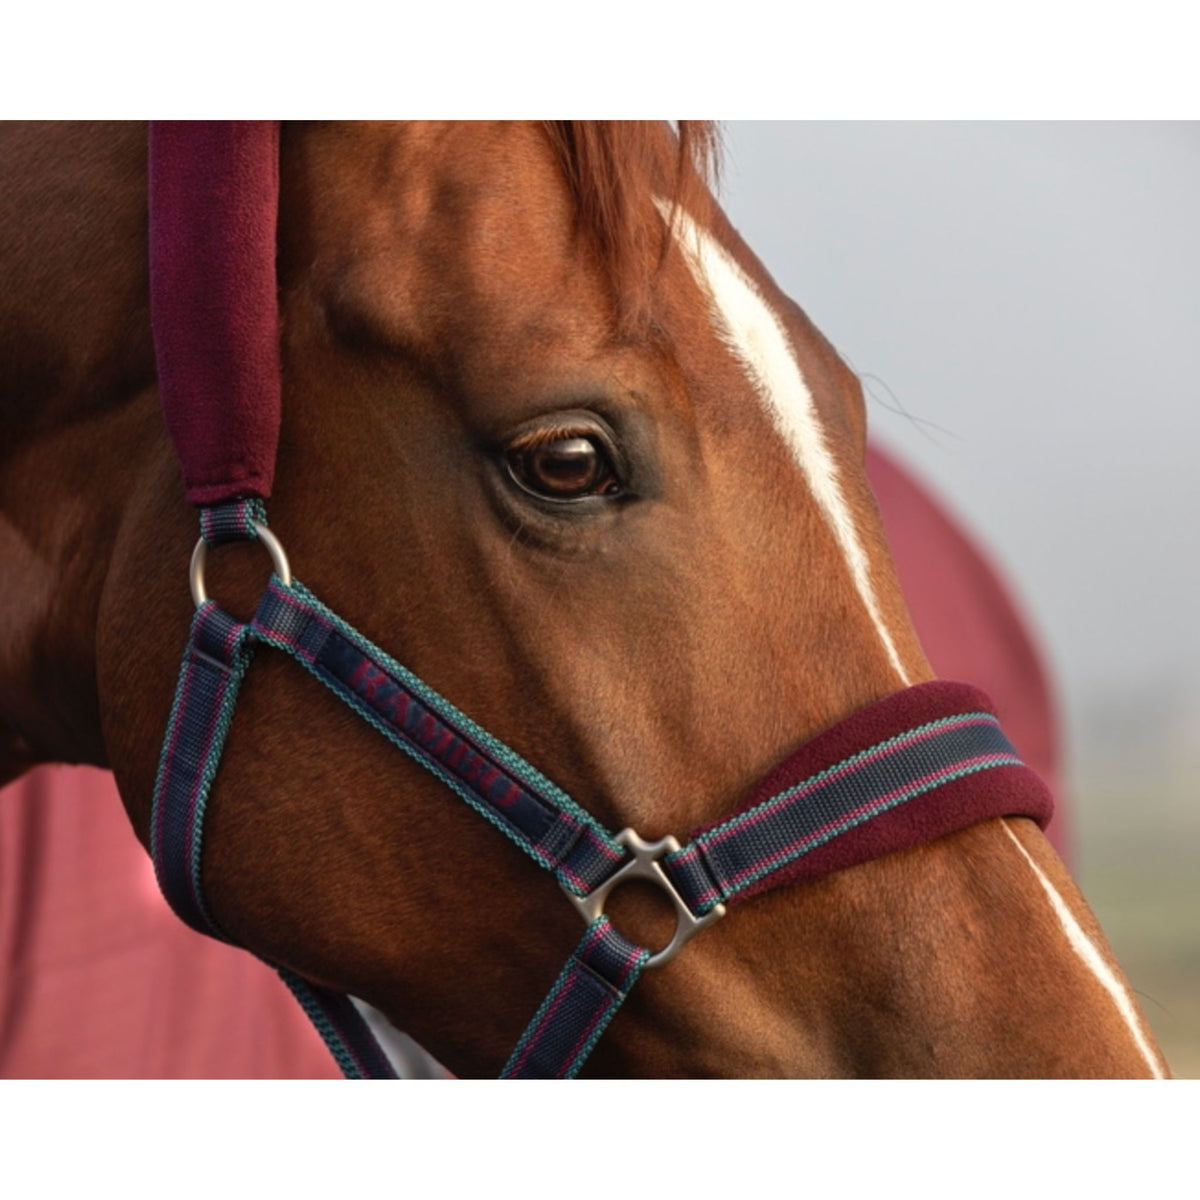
[(408, 715)]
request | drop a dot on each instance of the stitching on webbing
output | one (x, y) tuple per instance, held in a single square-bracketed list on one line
[(846, 824), (853, 760)]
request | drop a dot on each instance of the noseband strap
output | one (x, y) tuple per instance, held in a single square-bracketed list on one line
[(918, 765)]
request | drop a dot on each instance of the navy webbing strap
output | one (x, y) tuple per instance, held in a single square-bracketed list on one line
[(342, 1028), (492, 778), (584, 998), (214, 662), (830, 805), (718, 866)]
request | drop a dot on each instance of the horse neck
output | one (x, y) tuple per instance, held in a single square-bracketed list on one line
[(75, 357)]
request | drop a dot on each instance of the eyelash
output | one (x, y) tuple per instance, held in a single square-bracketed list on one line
[(572, 475)]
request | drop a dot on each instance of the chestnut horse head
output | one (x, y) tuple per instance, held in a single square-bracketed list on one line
[(553, 437)]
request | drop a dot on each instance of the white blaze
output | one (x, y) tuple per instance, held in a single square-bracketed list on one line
[(1092, 959), (755, 336)]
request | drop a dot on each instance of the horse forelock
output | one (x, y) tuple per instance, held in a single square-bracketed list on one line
[(615, 170)]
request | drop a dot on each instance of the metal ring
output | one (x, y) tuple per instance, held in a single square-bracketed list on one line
[(645, 865), (274, 547)]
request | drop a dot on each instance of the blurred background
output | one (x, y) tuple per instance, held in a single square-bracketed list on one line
[(1021, 300)]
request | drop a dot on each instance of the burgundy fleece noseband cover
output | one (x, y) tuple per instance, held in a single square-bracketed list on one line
[(1005, 791), (214, 199)]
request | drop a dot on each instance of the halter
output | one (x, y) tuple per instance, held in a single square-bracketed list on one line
[(922, 763)]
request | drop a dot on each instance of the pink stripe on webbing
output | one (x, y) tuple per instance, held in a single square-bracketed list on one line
[(631, 960), (595, 841), (633, 956), (878, 802), (195, 794), (874, 756), (294, 601), (635, 952), (230, 638), (607, 851), (299, 605), (597, 936), (304, 652), (531, 1045), (162, 808), (183, 699), (572, 876), (587, 1033)]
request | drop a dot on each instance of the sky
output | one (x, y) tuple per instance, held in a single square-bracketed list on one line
[(1027, 293)]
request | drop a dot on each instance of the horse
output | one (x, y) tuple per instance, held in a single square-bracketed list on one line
[(553, 436)]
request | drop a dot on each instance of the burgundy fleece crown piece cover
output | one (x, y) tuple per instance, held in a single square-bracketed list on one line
[(214, 200)]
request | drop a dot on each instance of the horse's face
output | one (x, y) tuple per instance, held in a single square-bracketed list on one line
[(647, 555), (610, 502)]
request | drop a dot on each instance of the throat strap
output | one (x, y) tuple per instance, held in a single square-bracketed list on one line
[(584, 998)]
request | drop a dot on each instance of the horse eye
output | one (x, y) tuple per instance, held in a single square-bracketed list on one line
[(567, 468)]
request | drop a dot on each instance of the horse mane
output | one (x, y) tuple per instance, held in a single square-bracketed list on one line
[(613, 169)]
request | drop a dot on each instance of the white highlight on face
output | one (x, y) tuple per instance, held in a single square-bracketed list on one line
[(1093, 960), (755, 336)]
